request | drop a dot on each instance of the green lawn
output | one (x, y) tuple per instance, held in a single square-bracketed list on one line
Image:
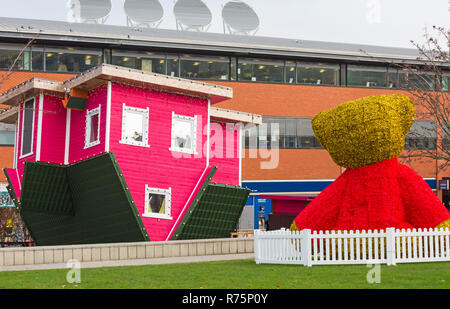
[(238, 274)]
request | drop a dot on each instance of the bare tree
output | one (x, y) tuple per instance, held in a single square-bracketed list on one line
[(427, 83), (14, 64)]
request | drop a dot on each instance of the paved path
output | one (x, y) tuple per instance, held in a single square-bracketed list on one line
[(137, 262)]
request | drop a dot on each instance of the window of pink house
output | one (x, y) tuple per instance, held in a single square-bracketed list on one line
[(135, 126), (184, 134), (157, 203), (27, 128), (92, 135)]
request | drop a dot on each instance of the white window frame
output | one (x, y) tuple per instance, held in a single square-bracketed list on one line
[(194, 137), (89, 115), (168, 196), (23, 155), (145, 113)]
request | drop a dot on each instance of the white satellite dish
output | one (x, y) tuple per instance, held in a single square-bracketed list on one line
[(143, 12), (94, 11), (192, 15), (239, 18)]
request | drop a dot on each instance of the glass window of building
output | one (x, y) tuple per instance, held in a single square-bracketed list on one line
[(173, 65), (202, 67), (421, 136), (445, 81), (37, 58), (446, 136), (233, 68), (305, 133), (145, 61), (290, 72), (71, 59), (366, 76), (260, 70), (10, 55), (7, 134), (317, 74), (422, 81), (282, 132)]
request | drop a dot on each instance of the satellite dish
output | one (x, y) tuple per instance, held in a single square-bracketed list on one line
[(143, 12), (192, 15), (96, 11), (239, 18)]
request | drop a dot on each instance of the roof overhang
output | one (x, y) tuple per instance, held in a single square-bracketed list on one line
[(227, 115), (9, 115), (107, 72), (31, 87)]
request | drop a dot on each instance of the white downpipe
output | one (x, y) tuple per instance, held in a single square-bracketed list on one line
[(67, 141), (39, 132), (108, 116)]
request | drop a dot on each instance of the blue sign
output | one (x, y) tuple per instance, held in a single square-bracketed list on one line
[(443, 184)]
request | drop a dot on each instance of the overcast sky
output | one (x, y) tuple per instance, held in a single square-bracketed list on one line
[(375, 22)]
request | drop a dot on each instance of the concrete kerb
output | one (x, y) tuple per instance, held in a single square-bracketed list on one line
[(126, 253)]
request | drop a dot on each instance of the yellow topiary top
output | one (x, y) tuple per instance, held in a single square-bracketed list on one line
[(365, 131)]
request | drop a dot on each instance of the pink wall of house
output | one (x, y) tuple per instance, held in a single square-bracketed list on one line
[(53, 130), (156, 166), (77, 150), (52, 135), (224, 153)]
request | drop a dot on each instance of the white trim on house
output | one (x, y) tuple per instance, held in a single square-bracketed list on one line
[(145, 128), (108, 116), (22, 155), (39, 128), (208, 133), (67, 139), (168, 196), (240, 153), (89, 115), (193, 149), (16, 141)]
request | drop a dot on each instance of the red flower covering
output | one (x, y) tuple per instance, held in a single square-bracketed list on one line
[(376, 196)]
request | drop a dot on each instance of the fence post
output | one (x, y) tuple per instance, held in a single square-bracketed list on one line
[(305, 247), (255, 245), (390, 246)]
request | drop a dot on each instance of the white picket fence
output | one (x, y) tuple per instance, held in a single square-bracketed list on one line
[(388, 246)]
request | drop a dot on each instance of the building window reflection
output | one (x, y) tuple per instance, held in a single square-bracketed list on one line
[(421, 136), (283, 133), (318, 74), (145, 61), (198, 67), (366, 76), (260, 70), (71, 59), (290, 72), (12, 58)]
